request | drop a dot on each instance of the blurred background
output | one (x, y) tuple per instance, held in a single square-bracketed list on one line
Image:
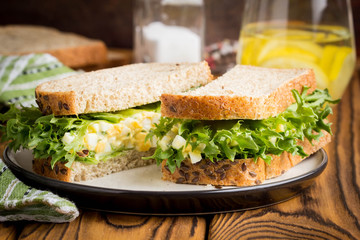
[(112, 20)]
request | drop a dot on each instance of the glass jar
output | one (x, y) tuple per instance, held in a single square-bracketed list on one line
[(168, 30)]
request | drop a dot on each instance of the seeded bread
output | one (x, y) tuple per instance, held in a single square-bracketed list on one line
[(245, 92), (119, 88), (82, 172), (241, 172), (71, 49)]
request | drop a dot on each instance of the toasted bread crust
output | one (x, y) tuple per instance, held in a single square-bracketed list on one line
[(210, 107), (240, 172), (58, 103), (59, 172)]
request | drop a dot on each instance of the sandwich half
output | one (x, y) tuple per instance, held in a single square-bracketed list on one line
[(92, 124), (249, 125)]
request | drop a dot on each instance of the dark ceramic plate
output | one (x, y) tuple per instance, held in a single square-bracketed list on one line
[(141, 190)]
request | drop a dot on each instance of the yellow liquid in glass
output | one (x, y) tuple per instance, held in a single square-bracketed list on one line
[(325, 49)]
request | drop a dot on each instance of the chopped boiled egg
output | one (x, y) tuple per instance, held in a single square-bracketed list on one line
[(147, 124), (100, 147), (108, 147), (125, 131), (164, 142), (104, 126), (195, 156), (113, 141), (201, 147), (128, 121), (68, 138), (280, 128), (178, 142), (186, 150), (272, 140), (113, 131), (136, 124), (153, 141), (91, 140), (129, 144), (141, 145), (175, 129), (93, 128)]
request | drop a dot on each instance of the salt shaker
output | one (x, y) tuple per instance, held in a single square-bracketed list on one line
[(168, 30)]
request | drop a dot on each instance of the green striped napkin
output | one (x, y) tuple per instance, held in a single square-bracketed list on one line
[(19, 75), (21, 202)]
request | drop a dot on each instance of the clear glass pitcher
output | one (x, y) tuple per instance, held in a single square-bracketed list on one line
[(315, 34)]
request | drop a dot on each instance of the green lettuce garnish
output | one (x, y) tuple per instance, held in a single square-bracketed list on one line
[(239, 139), (28, 128)]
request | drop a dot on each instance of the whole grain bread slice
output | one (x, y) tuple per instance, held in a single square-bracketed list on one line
[(244, 92), (82, 172), (119, 88), (71, 49), (240, 172)]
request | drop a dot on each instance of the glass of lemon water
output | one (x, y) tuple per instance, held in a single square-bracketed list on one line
[(315, 34)]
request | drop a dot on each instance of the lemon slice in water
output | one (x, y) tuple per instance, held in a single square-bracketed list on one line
[(289, 62), (307, 51), (343, 68)]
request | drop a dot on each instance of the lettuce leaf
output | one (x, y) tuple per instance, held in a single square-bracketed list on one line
[(28, 128), (239, 139)]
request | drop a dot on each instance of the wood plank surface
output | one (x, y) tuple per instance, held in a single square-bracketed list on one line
[(96, 225), (330, 209), (8, 231)]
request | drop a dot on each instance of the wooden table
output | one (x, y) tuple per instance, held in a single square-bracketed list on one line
[(330, 209)]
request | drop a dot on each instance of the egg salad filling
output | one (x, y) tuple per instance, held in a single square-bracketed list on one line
[(172, 139), (102, 138), (88, 138)]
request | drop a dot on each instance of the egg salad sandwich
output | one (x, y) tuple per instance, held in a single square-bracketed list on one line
[(93, 124), (249, 125)]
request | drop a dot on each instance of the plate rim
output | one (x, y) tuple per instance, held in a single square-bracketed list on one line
[(48, 182)]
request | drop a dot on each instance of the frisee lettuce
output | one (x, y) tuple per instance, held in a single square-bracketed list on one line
[(239, 139), (28, 128)]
